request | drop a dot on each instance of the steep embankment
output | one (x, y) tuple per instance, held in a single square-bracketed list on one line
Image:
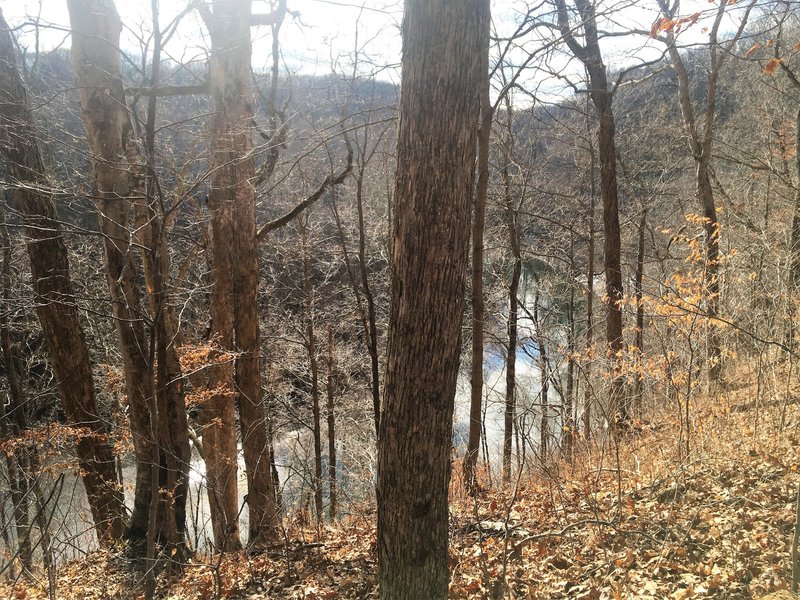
[(621, 522)]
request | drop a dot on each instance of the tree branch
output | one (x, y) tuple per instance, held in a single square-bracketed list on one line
[(329, 181)]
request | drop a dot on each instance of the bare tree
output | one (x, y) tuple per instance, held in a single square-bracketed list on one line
[(601, 94), (442, 46), (55, 300)]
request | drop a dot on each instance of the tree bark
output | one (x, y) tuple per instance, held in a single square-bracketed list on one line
[(54, 297), (700, 141), (795, 239), (95, 58), (587, 369), (568, 429), (544, 376), (235, 268), (442, 44)]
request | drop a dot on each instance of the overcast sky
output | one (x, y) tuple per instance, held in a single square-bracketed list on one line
[(325, 32)]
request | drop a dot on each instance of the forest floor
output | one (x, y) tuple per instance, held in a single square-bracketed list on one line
[(633, 521)]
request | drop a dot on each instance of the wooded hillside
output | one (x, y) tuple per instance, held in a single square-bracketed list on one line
[(515, 317)]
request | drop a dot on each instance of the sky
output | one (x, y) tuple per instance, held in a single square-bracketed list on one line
[(323, 34)]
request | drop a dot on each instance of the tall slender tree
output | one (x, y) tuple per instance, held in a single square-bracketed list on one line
[(602, 97), (54, 295), (700, 138)]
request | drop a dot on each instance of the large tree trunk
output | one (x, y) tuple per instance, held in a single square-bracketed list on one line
[(95, 56), (442, 44), (235, 273), (55, 301)]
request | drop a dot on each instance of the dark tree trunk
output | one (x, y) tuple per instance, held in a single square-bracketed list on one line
[(513, 296), (54, 298), (331, 431), (372, 345), (587, 369), (638, 291), (235, 274), (590, 55), (313, 365), (478, 304), (544, 376), (13, 421), (795, 239), (443, 41), (568, 429)]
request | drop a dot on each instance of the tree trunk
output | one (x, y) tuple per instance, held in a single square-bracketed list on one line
[(331, 431), (235, 268), (15, 422), (513, 298), (95, 57), (54, 298), (311, 348), (442, 45), (544, 376), (478, 303), (587, 369), (568, 429), (700, 141), (795, 239), (590, 55), (372, 344), (638, 290)]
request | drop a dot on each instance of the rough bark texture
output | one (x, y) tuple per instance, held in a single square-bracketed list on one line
[(236, 273), (95, 58), (591, 57), (439, 109), (55, 302)]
